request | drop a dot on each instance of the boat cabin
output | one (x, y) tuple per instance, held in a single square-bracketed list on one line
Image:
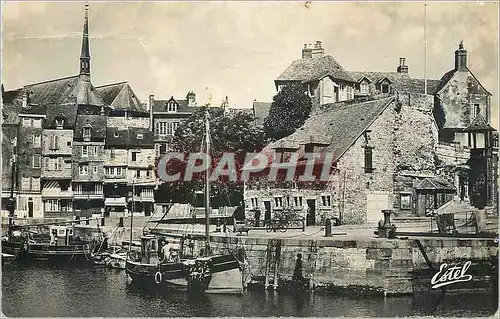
[(149, 249), (61, 235)]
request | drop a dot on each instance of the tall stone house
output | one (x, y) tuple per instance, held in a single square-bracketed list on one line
[(389, 145), (165, 116)]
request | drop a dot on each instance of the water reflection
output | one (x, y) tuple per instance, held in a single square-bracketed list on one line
[(44, 290)]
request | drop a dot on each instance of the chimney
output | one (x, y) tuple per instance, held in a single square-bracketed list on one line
[(402, 68), (191, 99), (150, 105), (307, 51), (461, 58), (318, 50)]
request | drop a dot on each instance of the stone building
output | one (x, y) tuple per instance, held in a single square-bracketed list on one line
[(466, 139), (418, 152)]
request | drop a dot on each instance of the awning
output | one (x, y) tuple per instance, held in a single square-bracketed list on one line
[(435, 184)]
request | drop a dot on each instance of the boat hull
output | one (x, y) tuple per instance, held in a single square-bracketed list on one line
[(224, 277), (72, 253), (14, 248)]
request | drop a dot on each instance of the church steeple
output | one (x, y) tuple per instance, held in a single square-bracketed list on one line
[(85, 56)]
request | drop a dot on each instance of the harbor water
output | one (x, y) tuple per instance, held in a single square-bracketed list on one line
[(42, 290)]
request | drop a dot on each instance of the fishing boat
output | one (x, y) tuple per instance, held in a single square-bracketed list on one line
[(191, 266), (58, 244)]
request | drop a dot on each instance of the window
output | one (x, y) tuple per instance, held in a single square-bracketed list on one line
[(135, 156), (25, 183), (36, 161), (112, 153), (161, 128), (96, 150), (405, 201), (171, 106), (309, 148), (278, 201), (37, 140), (476, 110), (86, 132), (176, 125), (52, 205), (138, 173), (118, 171), (95, 170), (37, 123), (35, 183), (54, 142), (350, 92), (170, 128), (368, 159), (297, 200), (326, 200), (83, 169), (148, 173), (254, 201), (364, 88), (140, 136), (385, 88), (54, 163), (85, 150), (157, 149), (68, 143)]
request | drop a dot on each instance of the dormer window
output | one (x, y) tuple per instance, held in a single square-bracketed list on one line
[(385, 88), (140, 136), (86, 133), (363, 88), (171, 106), (59, 123)]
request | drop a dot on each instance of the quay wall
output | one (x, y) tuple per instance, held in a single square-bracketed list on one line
[(361, 266), (379, 266)]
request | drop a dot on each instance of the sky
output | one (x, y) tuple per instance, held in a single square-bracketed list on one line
[(237, 49)]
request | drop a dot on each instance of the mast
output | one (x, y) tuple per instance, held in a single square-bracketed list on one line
[(425, 44), (207, 185), (11, 198)]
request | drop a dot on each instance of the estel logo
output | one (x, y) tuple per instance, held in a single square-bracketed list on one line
[(447, 276)]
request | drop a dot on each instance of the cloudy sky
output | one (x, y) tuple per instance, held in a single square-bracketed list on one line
[(237, 49)]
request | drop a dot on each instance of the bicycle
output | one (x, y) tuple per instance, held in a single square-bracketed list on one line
[(274, 225)]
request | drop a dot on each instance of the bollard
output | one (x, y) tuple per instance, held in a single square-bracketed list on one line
[(120, 223), (328, 228)]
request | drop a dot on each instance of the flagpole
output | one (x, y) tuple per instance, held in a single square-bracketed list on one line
[(425, 43)]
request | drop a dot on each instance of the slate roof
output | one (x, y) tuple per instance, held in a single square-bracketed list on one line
[(435, 183), (313, 69), (120, 96), (97, 122), (395, 77), (67, 111), (118, 137), (447, 77), (418, 86), (182, 106), (63, 90), (338, 126), (261, 111), (479, 123), (33, 109)]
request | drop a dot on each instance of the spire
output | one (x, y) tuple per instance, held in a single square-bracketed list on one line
[(85, 56)]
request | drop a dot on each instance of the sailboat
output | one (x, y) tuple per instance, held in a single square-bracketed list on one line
[(184, 269)]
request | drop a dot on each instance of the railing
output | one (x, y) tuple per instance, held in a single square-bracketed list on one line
[(270, 225), (55, 192)]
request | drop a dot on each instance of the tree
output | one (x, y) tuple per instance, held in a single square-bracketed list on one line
[(235, 133), (289, 110)]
